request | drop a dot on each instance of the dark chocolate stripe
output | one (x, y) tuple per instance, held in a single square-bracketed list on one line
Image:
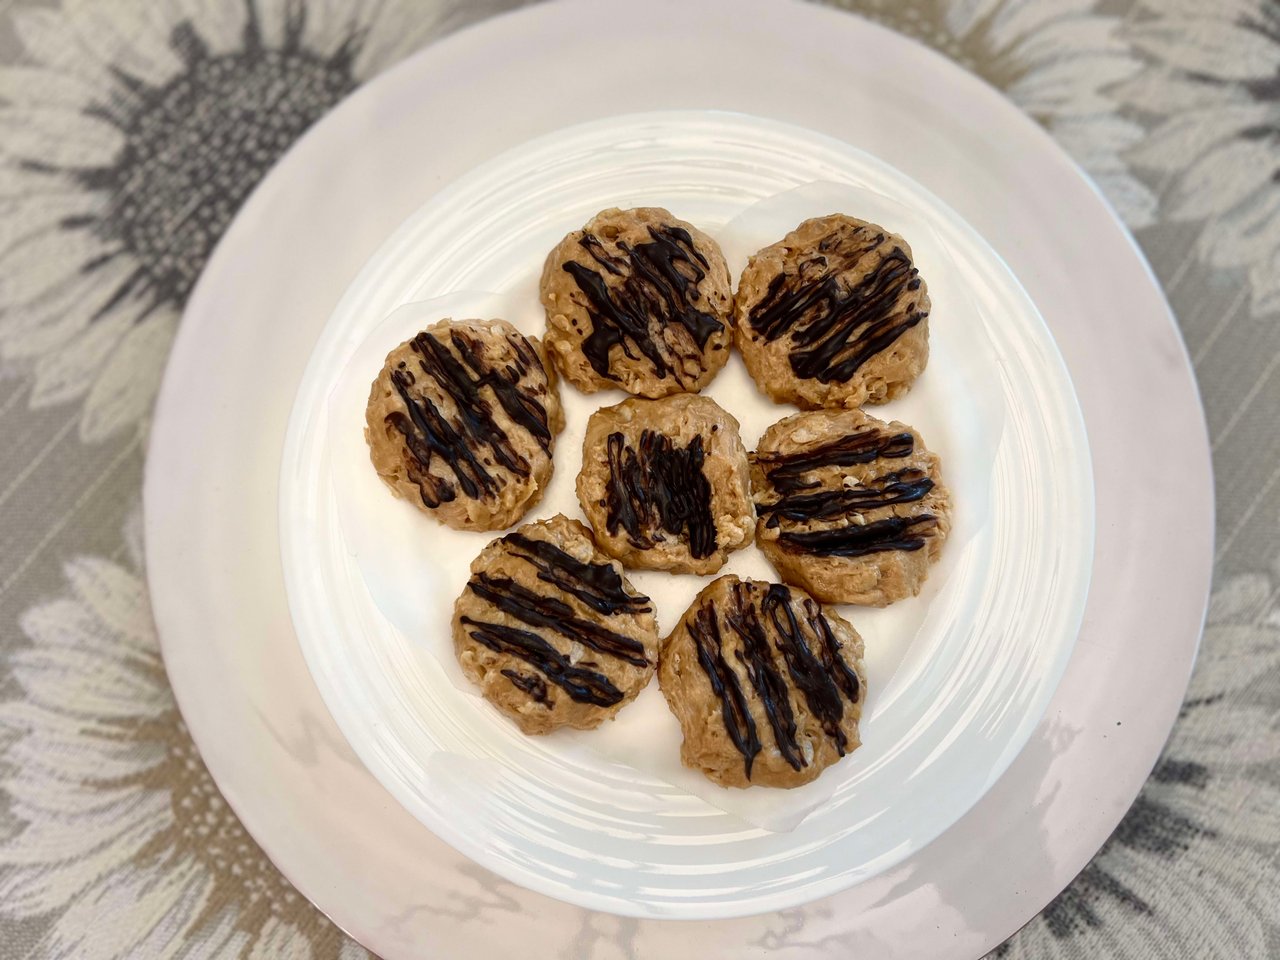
[(582, 685), (811, 675), (554, 614), (845, 676), (772, 639), (659, 486), (858, 540), (704, 629), (782, 309), (903, 486), (786, 471), (598, 585), (770, 686), (429, 434), (519, 404), (835, 331), (655, 282), (530, 683)]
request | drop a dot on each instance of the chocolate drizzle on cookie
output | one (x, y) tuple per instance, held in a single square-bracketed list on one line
[(767, 680), (551, 613), (639, 295), (469, 441), (779, 640), (858, 540), (581, 684), (831, 508), (901, 486), (786, 472), (659, 487), (836, 326), (822, 676), (598, 585), (704, 629), (530, 683)]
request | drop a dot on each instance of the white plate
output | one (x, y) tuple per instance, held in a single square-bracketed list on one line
[(952, 697), (212, 474)]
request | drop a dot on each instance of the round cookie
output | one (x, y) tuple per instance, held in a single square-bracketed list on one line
[(767, 684), (551, 631), (462, 423), (639, 300), (850, 508), (665, 484), (833, 315)]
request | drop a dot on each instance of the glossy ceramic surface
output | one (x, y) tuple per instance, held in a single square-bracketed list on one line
[(957, 678)]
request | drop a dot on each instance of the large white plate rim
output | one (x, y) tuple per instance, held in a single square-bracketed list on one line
[(1061, 797)]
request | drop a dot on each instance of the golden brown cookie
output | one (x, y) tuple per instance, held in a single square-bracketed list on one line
[(833, 315), (639, 300), (767, 684), (462, 422), (665, 484), (850, 508), (551, 631)]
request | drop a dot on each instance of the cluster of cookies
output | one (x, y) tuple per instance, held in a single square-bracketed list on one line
[(765, 678)]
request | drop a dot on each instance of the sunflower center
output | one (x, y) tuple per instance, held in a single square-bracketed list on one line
[(206, 830), (196, 147)]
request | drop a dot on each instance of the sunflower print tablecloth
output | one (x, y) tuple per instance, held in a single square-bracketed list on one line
[(130, 132)]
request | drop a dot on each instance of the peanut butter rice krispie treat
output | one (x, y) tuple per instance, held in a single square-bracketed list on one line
[(462, 423), (835, 314), (638, 300)]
